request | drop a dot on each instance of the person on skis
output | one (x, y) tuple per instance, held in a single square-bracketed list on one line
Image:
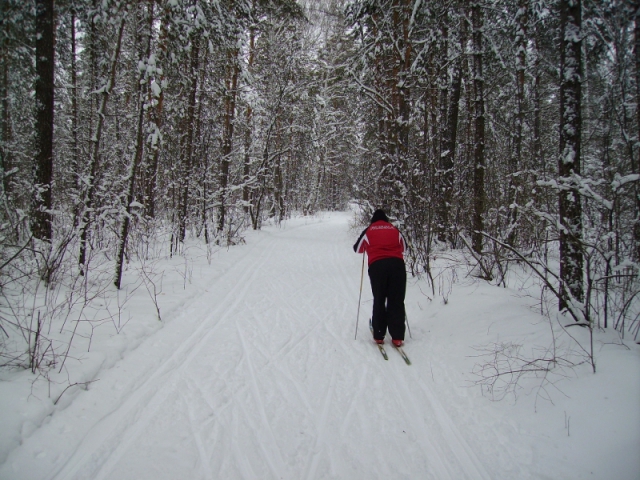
[(384, 245)]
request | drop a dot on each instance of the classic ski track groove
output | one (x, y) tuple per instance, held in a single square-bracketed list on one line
[(276, 464), (424, 433), (158, 398), (318, 449), (352, 405), (461, 449), (146, 392), (202, 454)]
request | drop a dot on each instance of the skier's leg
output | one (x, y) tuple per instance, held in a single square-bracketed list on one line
[(378, 278), (395, 302)]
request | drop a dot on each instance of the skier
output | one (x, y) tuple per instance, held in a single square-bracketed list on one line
[(384, 245)]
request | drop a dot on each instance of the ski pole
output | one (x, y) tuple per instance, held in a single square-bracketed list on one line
[(359, 297), (406, 320)]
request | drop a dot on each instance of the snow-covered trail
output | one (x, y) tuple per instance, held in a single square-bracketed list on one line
[(262, 379), (255, 374)]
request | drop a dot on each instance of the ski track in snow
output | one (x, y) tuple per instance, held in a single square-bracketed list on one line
[(271, 384), (145, 402)]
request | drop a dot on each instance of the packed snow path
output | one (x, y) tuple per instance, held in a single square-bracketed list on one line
[(261, 378), (265, 380)]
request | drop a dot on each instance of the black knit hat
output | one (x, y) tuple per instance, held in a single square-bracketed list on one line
[(379, 215)]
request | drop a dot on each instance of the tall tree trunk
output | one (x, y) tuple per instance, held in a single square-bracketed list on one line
[(227, 133), (392, 69), (403, 103), (75, 147), (537, 107), (248, 135), (444, 162), (447, 157), (479, 196), (570, 207), (278, 186), (151, 171), (380, 87), (636, 160), (5, 118), (137, 157), (261, 175), (205, 191), (403, 14), (188, 135), (94, 160), (43, 169), (203, 153), (516, 159), (74, 95)]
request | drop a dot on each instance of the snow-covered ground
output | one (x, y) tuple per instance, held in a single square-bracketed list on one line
[(254, 373)]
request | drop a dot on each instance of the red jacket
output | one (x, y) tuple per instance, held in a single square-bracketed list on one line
[(380, 240)]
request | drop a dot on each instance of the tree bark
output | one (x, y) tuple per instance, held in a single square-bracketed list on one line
[(537, 107), (444, 161), (569, 161), (151, 170), (516, 160), (636, 160), (41, 227), (135, 160), (248, 135), (227, 134), (479, 196), (188, 136), (74, 95), (94, 160), (447, 157), (5, 118)]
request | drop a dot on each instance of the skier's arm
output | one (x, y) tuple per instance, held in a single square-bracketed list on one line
[(358, 247)]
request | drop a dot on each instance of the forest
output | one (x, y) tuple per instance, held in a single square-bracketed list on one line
[(506, 130)]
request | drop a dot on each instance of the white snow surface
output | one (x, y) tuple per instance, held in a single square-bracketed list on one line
[(254, 373)]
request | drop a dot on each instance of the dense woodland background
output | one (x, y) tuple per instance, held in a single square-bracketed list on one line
[(507, 130)]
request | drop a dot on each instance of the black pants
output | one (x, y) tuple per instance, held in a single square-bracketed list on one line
[(388, 284)]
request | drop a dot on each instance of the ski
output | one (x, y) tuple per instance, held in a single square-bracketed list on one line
[(380, 347), (382, 351), (403, 355)]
